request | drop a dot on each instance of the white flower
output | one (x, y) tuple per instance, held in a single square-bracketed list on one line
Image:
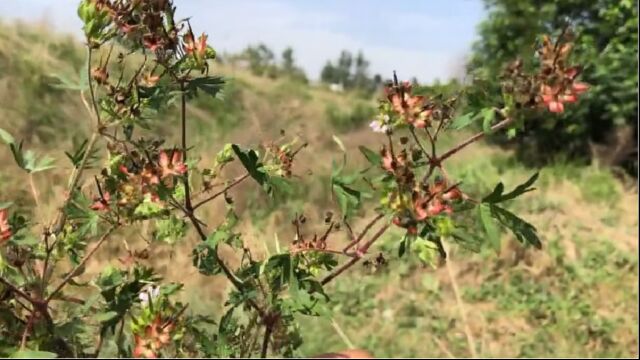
[(151, 293), (380, 125)]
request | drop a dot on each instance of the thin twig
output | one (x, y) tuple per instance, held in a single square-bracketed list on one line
[(364, 232), (265, 342), (183, 122), (16, 290), (71, 274), (341, 333), (473, 139), (415, 137), (235, 182), (77, 172), (34, 190), (362, 250), (461, 307)]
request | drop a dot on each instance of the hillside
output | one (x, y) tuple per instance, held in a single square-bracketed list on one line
[(576, 297)]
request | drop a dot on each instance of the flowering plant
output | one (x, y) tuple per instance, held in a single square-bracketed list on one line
[(144, 180)]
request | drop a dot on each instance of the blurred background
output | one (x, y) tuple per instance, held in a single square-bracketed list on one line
[(315, 69)]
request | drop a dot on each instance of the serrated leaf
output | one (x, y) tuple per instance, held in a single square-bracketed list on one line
[(488, 115), (463, 121), (497, 195), (490, 228), (212, 85), (373, 157), (523, 231), (249, 160)]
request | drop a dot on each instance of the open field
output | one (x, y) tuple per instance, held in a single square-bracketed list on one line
[(578, 296)]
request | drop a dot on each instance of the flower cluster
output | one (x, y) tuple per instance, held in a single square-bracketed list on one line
[(412, 109), (558, 82), (152, 338), (553, 85), (143, 178)]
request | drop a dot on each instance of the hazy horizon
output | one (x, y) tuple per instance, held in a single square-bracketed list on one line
[(428, 40)]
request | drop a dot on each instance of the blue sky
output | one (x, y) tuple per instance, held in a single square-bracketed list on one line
[(428, 39)]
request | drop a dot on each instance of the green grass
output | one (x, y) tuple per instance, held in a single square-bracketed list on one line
[(576, 297)]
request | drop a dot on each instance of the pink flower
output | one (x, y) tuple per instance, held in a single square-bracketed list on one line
[(173, 166), (5, 228), (101, 204)]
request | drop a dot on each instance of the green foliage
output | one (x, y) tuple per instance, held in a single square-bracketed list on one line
[(606, 46), (345, 120), (26, 160)]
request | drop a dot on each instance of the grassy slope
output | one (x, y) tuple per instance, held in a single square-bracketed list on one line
[(577, 297)]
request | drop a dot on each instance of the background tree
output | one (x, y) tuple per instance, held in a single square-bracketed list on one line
[(606, 45)]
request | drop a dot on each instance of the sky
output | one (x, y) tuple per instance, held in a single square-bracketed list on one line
[(428, 39)]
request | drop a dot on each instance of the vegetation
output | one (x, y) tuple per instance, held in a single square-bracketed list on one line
[(606, 45), (351, 73), (573, 298)]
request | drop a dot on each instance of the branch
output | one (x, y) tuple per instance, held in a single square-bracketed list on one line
[(70, 275), (415, 137), (183, 122), (364, 231), (473, 139), (362, 250), (265, 343), (235, 182), (16, 290), (61, 218)]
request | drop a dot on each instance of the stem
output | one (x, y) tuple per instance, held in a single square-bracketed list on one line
[(27, 329), (183, 122), (265, 343), (354, 260), (232, 184), (473, 139), (364, 231), (61, 218), (461, 308), (71, 274), (34, 190), (16, 290), (415, 137)]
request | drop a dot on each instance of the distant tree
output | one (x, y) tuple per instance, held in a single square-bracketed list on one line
[(288, 62), (352, 73), (607, 46), (289, 67)]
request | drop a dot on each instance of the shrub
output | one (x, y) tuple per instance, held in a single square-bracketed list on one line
[(127, 309)]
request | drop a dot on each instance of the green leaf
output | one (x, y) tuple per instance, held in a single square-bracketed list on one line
[(497, 195), (490, 228), (405, 245), (348, 198), (463, 121), (373, 157), (523, 231), (211, 85), (249, 160), (6, 137), (33, 354), (340, 144), (427, 251), (65, 83), (170, 230), (106, 316), (488, 115)]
